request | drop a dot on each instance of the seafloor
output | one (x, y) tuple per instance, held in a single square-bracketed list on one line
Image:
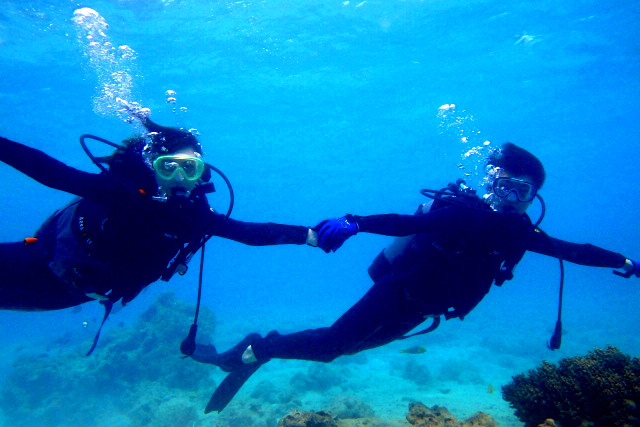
[(136, 377)]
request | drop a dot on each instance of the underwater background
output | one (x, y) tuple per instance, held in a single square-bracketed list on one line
[(314, 109)]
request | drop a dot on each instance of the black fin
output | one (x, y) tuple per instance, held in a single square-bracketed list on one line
[(228, 388)]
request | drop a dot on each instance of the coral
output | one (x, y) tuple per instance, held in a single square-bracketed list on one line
[(437, 416), (307, 419), (599, 389), (421, 416)]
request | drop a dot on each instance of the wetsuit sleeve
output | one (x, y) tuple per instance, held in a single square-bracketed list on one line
[(584, 254), (257, 234), (55, 174), (405, 225)]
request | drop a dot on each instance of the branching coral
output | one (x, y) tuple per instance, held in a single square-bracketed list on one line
[(599, 389)]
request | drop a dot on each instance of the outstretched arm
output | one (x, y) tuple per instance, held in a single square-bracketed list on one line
[(260, 234), (333, 233), (583, 254), (55, 174)]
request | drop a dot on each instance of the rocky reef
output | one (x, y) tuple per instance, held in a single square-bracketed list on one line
[(137, 377), (599, 389), (419, 416)]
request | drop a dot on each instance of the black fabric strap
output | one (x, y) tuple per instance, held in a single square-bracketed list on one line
[(108, 305), (431, 328)]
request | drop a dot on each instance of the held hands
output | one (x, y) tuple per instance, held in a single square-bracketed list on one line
[(332, 233), (631, 268)]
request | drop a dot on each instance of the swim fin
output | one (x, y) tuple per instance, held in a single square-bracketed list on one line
[(228, 388)]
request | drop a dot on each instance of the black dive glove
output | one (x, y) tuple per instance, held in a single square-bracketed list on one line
[(332, 233)]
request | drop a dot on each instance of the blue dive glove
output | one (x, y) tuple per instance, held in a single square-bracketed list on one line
[(332, 233), (631, 268)]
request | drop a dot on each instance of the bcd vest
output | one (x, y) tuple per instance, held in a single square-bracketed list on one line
[(67, 239), (450, 280)]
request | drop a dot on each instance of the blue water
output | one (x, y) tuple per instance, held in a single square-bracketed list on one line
[(318, 108)]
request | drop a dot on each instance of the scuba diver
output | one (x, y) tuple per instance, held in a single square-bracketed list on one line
[(444, 261), (136, 222)]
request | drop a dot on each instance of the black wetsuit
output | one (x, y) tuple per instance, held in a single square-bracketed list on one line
[(448, 263), (112, 241)]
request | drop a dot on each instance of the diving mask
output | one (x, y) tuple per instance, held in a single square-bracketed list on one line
[(167, 167), (525, 191)]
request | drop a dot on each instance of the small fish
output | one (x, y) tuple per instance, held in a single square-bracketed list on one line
[(490, 389), (416, 349)]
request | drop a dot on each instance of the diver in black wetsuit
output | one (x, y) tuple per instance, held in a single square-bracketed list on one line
[(454, 248), (125, 227)]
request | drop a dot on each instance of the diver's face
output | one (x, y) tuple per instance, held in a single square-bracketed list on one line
[(178, 173), (510, 199)]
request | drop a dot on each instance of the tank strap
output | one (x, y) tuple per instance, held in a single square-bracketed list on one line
[(434, 324)]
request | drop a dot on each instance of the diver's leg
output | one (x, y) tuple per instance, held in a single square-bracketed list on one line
[(383, 308), (26, 283), (382, 315), (227, 361)]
